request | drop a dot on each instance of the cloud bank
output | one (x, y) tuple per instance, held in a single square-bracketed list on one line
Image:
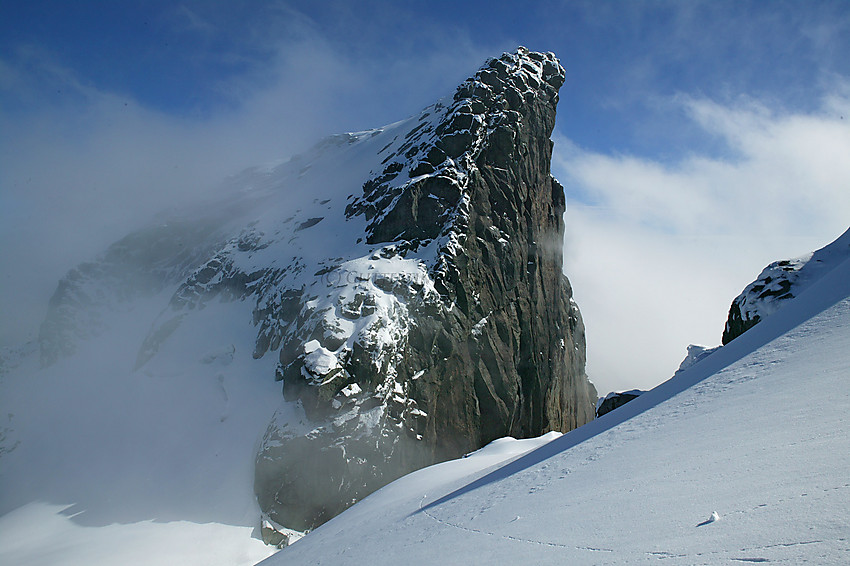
[(657, 250)]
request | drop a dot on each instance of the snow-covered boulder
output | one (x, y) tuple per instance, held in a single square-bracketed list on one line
[(779, 282), (695, 354), (616, 399)]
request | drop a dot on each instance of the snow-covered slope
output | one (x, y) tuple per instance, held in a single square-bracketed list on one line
[(741, 458)]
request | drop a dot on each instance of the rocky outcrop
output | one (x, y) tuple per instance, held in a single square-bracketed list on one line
[(491, 342), (779, 282), (762, 297), (695, 354), (615, 400)]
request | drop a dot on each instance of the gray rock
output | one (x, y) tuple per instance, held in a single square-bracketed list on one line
[(778, 283), (273, 537), (616, 400)]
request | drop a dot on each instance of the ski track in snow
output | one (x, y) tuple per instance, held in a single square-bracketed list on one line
[(507, 537), (659, 554)]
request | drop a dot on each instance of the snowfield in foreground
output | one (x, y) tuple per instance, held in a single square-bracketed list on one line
[(743, 458)]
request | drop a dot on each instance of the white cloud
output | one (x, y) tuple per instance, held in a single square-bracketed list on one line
[(192, 20), (656, 251)]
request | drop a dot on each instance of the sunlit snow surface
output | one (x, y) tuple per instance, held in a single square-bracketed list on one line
[(743, 458)]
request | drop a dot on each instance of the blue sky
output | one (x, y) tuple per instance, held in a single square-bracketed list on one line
[(697, 141), (197, 59)]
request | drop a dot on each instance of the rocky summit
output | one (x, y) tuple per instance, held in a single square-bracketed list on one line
[(407, 281)]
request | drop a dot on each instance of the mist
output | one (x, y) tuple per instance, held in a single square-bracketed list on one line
[(80, 166)]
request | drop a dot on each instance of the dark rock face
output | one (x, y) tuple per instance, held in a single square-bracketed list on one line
[(498, 349), (615, 400), (737, 324)]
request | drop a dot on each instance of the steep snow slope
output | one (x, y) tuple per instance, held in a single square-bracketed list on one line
[(742, 458)]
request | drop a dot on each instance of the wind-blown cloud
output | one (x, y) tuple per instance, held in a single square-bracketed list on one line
[(81, 166), (657, 251)]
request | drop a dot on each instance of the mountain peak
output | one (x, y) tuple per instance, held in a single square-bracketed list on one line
[(465, 326), (425, 171), (407, 280)]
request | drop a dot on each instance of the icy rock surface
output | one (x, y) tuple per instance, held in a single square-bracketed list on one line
[(407, 279), (696, 353)]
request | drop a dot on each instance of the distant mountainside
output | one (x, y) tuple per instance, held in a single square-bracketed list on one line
[(406, 282), (780, 281)]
